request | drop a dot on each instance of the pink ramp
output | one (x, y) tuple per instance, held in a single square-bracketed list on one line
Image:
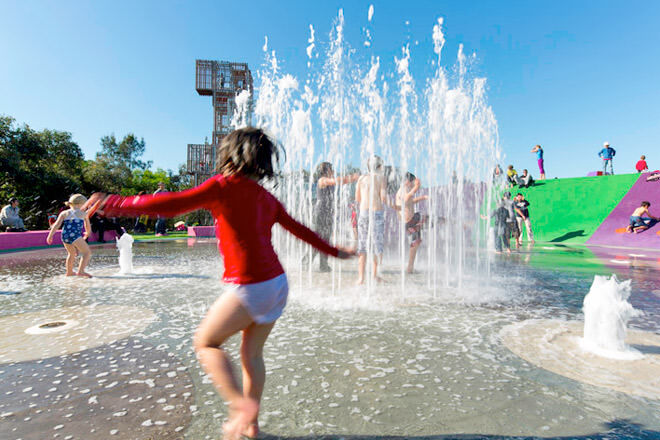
[(607, 235)]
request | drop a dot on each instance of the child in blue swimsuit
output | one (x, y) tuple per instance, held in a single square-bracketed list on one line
[(72, 221)]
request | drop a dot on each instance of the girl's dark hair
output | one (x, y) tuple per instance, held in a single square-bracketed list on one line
[(248, 151), (322, 170)]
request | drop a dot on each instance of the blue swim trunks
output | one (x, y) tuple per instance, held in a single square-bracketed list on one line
[(374, 235)]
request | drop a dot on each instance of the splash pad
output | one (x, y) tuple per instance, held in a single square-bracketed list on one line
[(418, 357)]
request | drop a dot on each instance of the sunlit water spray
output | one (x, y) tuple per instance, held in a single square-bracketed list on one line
[(606, 315), (353, 104), (125, 246)]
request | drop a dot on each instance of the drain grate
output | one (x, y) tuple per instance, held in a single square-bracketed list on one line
[(53, 324)]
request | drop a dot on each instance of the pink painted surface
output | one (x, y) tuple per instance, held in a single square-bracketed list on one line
[(201, 231), (607, 235), (20, 240), (16, 240)]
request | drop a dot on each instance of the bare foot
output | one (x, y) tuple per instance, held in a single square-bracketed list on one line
[(252, 431), (359, 282), (241, 414), (71, 274), (379, 280), (84, 274)]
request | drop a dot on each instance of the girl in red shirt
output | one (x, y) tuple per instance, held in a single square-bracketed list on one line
[(245, 213)]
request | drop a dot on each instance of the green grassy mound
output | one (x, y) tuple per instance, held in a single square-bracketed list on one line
[(570, 210)]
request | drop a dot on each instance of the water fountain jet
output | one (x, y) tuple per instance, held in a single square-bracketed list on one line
[(125, 246)]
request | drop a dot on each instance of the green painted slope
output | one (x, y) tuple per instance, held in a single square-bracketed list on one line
[(570, 210)]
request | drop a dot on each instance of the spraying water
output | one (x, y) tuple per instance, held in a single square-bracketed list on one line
[(352, 105), (606, 315), (125, 246)]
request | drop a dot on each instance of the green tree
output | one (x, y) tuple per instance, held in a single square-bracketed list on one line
[(112, 170), (41, 169), (146, 180)]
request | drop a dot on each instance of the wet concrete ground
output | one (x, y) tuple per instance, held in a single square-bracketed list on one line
[(125, 390)]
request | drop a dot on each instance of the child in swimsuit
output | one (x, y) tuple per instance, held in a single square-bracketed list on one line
[(641, 219), (72, 221), (245, 213), (405, 204)]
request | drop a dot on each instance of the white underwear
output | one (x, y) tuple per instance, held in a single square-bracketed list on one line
[(264, 301)]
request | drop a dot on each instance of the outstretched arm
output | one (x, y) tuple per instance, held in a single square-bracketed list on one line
[(340, 180), (307, 235), (55, 227), (88, 227), (165, 204)]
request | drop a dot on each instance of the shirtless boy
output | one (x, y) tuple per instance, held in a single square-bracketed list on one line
[(640, 218), (405, 203), (371, 195)]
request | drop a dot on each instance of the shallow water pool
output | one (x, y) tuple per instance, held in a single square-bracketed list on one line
[(394, 361)]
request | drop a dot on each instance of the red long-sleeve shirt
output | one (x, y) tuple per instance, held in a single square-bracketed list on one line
[(245, 213)]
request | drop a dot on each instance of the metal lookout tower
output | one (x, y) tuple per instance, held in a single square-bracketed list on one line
[(223, 81)]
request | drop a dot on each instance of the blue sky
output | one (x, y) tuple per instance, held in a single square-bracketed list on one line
[(566, 74)]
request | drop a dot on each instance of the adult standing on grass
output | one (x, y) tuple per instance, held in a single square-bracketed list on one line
[(539, 159), (607, 154)]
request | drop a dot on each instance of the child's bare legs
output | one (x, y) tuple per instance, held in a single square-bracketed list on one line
[(377, 259), (85, 255), (362, 263), (226, 317), (71, 253), (254, 371), (413, 253)]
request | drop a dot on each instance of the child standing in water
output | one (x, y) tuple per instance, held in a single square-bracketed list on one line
[(245, 214), (72, 221), (405, 204), (324, 208), (371, 195)]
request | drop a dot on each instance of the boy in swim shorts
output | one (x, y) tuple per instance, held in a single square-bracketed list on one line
[(371, 195), (641, 219), (405, 204)]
